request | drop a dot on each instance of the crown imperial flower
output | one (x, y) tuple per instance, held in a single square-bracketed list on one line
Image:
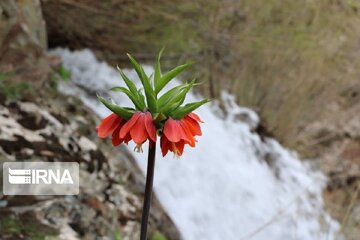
[(166, 115), (176, 124), (112, 124), (177, 133), (139, 128)]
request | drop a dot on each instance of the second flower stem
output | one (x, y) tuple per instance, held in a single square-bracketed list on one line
[(148, 190)]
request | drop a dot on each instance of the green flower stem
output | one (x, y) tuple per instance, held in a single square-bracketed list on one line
[(148, 189)]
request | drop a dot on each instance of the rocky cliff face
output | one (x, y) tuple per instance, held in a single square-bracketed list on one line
[(110, 200), (42, 125), (23, 42)]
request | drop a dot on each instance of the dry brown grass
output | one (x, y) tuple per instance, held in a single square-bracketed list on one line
[(290, 58), (286, 59)]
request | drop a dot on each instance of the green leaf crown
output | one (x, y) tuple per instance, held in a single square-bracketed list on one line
[(168, 105)]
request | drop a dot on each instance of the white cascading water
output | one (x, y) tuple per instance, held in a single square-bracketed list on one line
[(233, 185)]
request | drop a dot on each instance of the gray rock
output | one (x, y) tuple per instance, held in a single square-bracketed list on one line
[(109, 201), (23, 42)]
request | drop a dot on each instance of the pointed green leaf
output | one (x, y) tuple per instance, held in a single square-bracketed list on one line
[(141, 73), (142, 98), (151, 80), (138, 68), (158, 68), (128, 82), (181, 97), (133, 89), (121, 112), (166, 97), (177, 99), (167, 77), (184, 110), (151, 100), (149, 91), (170, 108), (134, 98)]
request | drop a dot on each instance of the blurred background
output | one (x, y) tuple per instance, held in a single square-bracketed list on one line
[(295, 64)]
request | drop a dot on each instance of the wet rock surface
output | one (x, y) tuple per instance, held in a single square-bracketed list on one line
[(111, 185)]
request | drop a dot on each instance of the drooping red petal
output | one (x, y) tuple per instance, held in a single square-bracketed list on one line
[(108, 125), (115, 139), (172, 130), (193, 126), (189, 136), (150, 127), (179, 148), (178, 133), (195, 117), (127, 138), (165, 145), (129, 124), (138, 131)]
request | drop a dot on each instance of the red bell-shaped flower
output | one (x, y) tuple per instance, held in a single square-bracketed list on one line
[(139, 128), (112, 124), (177, 133)]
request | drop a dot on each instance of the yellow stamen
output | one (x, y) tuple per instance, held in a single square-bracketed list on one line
[(138, 148), (175, 150)]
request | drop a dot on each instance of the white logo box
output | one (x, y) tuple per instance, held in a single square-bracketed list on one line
[(40, 178)]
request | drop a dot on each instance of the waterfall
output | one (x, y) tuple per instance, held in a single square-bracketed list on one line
[(233, 185)]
